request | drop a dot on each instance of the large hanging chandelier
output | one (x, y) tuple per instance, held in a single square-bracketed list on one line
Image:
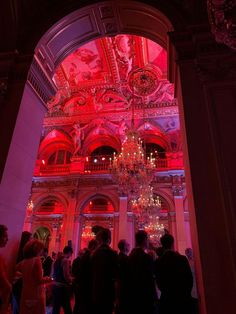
[(146, 205), (146, 208), (155, 229), (130, 168)]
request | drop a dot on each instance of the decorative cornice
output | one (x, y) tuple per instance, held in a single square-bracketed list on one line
[(54, 183), (40, 82)]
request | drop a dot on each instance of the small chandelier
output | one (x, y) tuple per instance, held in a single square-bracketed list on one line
[(130, 168), (155, 229), (87, 233), (146, 209), (30, 204)]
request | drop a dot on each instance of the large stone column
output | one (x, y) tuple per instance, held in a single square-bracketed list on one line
[(21, 116), (54, 236), (123, 217), (69, 223), (181, 239), (76, 234), (130, 229), (206, 90)]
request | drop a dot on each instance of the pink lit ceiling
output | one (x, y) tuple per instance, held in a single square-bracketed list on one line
[(108, 74)]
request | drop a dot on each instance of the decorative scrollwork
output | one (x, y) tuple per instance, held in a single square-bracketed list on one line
[(222, 16), (143, 82)]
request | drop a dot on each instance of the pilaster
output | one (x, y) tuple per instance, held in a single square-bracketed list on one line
[(177, 190), (206, 94)]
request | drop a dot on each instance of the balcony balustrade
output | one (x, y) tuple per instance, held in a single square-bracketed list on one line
[(102, 164)]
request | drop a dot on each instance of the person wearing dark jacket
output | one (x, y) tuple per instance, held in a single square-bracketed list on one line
[(62, 282), (143, 295), (174, 279), (104, 266), (83, 281), (122, 282)]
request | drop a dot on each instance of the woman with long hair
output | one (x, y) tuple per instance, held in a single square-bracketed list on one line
[(30, 268)]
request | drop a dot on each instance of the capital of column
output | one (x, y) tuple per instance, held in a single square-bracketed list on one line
[(177, 191)]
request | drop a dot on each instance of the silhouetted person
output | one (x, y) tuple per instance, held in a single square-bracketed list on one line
[(63, 280), (104, 272), (26, 236), (189, 255), (5, 286), (30, 268), (83, 281), (143, 296), (47, 263), (174, 279), (122, 283)]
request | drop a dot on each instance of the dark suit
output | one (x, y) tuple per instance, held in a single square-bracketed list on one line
[(47, 266), (104, 273), (143, 296), (123, 288), (175, 281), (81, 270)]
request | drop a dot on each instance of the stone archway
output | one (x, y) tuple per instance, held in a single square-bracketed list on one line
[(102, 19), (201, 86)]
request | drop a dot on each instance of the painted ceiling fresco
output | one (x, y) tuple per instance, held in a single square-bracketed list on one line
[(109, 74)]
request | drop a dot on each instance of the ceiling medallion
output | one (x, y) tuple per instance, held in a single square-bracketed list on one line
[(143, 82), (222, 17)]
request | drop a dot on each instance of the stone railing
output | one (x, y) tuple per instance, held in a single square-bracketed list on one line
[(102, 164)]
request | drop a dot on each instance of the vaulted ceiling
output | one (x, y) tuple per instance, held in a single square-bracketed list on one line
[(108, 74)]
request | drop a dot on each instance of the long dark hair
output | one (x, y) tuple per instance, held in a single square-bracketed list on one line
[(25, 237)]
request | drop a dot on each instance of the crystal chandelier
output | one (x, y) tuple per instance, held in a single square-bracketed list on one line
[(87, 233), (130, 168), (146, 205), (155, 229), (146, 208)]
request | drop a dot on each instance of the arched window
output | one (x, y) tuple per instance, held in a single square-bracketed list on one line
[(155, 149), (99, 204), (103, 151), (50, 206), (60, 157)]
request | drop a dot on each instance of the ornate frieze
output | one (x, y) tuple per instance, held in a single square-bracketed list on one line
[(54, 183)]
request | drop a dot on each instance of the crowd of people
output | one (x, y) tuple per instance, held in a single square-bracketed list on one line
[(147, 280)]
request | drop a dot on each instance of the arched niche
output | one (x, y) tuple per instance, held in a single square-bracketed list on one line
[(54, 141), (43, 234), (93, 143), (50, 204), (91, 205), (98, 205)]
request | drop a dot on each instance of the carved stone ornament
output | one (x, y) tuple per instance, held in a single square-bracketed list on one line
[(222, 16), (143, 82)]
